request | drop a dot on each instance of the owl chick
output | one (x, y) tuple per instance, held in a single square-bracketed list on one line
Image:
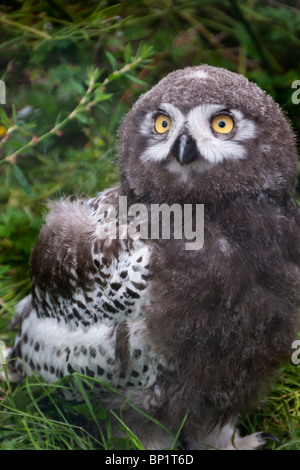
[(184, 333)]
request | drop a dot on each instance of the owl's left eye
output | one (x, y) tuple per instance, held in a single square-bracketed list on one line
[(162, 123), (222, 124)]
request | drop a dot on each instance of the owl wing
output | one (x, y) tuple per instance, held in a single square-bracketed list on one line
[(84, 313)]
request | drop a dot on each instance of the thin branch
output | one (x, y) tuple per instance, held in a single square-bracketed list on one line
[(84, 105), (29, 29)]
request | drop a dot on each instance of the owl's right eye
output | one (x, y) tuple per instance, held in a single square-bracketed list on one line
[(162, 123), (222, 124)]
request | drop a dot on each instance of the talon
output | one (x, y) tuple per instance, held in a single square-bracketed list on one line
[(270, 437)]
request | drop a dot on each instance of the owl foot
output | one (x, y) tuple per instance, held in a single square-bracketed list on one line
[(228, 438), (251, 442), (255, 441), (271, 437)]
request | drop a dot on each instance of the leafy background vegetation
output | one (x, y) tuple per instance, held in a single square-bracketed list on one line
[(71, 71)]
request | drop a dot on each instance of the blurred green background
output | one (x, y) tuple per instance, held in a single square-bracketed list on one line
[(52, 52)]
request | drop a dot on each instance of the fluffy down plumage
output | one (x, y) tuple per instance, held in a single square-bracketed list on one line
[(197, 333)]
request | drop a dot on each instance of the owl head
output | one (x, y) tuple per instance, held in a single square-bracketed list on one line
[(203, 134)]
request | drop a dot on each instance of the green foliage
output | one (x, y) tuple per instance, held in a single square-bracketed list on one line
[(34, 415), (280, 413), (71, 71)]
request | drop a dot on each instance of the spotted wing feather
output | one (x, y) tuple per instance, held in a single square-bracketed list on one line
[(85, 312)]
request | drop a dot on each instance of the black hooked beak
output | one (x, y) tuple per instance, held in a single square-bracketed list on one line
[(185, 149)]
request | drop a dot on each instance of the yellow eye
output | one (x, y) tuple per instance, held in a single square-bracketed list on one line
[(162, 124), (222, 124)]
